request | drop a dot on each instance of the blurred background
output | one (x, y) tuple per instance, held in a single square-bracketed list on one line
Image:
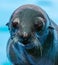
[(6, 9)]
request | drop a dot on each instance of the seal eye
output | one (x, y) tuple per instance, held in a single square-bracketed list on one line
[(39, 23), (15, 22)]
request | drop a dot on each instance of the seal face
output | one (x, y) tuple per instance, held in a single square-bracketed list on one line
[(31, 37)]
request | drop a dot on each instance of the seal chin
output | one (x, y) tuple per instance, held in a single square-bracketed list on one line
[(34, 51)]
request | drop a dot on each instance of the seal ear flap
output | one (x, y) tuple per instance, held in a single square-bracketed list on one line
[(50, 27), (7, 24)]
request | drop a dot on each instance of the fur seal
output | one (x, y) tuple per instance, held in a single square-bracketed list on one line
[(33, 37)]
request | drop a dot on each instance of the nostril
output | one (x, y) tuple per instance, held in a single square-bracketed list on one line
[(25, 35)]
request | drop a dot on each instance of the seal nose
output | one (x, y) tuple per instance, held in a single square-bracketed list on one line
[(25, 38), (26, 35)]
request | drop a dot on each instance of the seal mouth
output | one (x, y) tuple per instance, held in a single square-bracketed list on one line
[(25, 41)]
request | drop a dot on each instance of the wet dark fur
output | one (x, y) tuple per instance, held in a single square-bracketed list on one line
[(44, 51)]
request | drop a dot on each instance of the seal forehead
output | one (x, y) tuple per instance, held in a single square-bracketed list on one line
[(30, 7), (33, 7)]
